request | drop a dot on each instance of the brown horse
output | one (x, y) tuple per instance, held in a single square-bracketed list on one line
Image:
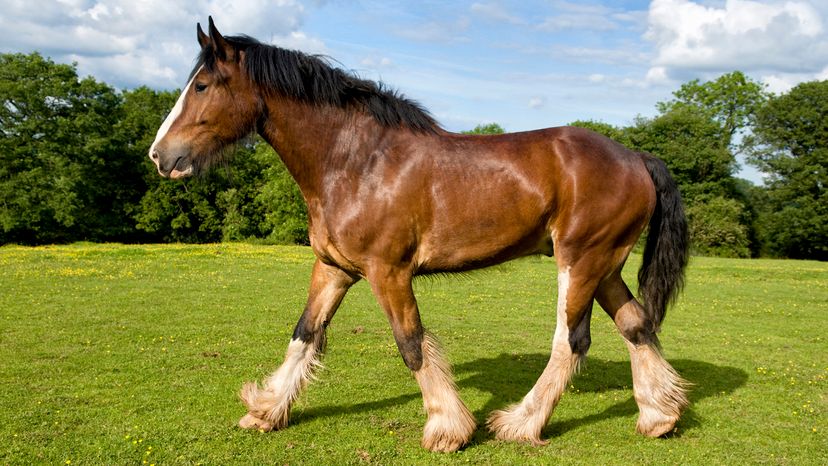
[(392, 195)]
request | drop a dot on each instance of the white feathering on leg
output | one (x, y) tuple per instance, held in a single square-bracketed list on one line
[(450, 424), (269, 405)]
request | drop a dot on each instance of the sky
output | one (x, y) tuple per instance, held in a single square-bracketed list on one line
[(523, 64)]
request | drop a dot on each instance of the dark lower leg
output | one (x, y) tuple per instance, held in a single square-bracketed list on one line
[(659, 391), (269, 405), (450, 424)]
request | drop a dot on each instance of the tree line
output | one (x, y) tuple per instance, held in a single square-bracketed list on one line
[(73, 167)]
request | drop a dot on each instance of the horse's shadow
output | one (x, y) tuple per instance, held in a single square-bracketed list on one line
[(508, 377), (518, 372)]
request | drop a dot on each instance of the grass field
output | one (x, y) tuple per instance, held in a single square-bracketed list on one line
[(134, 355)]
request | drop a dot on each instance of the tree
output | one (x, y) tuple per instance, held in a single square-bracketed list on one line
[(690, 143), (719, 227), (491, 128), (731, 100), (58, 157), (790, 145), (217, 206), (285, 212), (613, 132)]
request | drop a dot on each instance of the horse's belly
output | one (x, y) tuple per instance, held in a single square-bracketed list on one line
[(471, 247)]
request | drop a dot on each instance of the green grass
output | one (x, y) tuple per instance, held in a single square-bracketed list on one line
[(123, 354)]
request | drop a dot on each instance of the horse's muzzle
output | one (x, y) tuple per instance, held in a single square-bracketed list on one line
[(170, 166)]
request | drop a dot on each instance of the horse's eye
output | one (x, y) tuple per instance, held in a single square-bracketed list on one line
[(200, 88)]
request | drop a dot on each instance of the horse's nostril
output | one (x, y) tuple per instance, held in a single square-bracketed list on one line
[(154, 154)]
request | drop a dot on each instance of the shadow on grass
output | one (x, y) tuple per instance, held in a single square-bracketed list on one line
[(508, 377), (311, 413)]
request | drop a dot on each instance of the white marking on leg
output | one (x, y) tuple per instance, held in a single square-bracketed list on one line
[(525, 420), (450, 424), (270, 404), (300, 362), (173, 115), (659, 390)]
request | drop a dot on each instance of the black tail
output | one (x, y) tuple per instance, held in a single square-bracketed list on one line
[(661, 277)]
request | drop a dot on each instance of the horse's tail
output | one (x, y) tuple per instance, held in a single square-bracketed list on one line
[(661, 277)]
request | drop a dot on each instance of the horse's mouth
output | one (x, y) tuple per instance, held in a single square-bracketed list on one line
[(178, 174), (182, 169)]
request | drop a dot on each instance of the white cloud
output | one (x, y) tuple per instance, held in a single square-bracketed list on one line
[(444, 32), (128, 43), (657, 75), (537, 102), (496, 12), (747, 35), (783, 82), (610, 56), (588, 17), (577, 21), (298, 40), (376, 63)]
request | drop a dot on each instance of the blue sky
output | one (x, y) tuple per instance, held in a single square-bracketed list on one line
[(522, 64)]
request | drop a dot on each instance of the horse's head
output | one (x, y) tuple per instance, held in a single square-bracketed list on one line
[(218, 107)]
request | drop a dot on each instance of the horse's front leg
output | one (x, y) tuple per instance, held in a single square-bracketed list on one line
[(269, 405), (450, 424)]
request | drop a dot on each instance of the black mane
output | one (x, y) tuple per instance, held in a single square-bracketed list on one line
[(312, 79)]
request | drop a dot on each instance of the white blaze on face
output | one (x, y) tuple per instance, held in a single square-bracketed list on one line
[(174, 114)]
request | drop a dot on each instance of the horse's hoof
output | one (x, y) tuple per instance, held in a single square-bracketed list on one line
[(656, 429), (442, 445), (512, 426), (250, 421)]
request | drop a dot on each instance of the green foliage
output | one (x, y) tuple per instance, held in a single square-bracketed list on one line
[(695, 135), (221, 205), (790, 145), (73, 166), (124, 354), (60, 168), (718, 227), (731, 100), (491, 128), (613, 132), (285, 212), (690, 143)]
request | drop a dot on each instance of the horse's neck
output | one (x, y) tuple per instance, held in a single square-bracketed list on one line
[(300, 136), (313, 140)]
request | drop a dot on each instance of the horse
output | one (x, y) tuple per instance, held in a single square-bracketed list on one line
[(392, 195)]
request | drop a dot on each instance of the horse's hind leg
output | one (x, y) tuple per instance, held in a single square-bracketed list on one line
[(450, 424), (269, 405), (525, 420), (659, 390)]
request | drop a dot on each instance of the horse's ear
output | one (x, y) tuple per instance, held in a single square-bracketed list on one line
[(203, 39), (222, 48)]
